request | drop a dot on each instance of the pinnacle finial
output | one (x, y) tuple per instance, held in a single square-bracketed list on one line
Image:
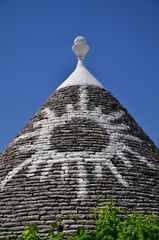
[(80, 47)]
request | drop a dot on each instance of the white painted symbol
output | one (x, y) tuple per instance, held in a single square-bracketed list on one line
[(46, 158)]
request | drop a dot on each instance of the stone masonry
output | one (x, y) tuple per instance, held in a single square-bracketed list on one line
[(81, 146)]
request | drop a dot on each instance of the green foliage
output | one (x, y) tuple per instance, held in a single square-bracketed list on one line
[(56, 231), (115, 224), (111, 223), (30, 233), (137, 227), (81, 234), (108, 222)]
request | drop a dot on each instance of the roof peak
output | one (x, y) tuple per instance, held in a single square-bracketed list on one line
[(81, 75)]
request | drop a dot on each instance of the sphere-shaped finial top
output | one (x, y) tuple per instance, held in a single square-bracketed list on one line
[(80, 47)]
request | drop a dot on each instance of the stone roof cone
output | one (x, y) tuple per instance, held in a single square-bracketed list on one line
[(80, 146)]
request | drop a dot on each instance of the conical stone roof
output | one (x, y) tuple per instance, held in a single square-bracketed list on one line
[(81, 147)]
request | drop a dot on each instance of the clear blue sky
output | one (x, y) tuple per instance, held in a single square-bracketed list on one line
[(35, 55)]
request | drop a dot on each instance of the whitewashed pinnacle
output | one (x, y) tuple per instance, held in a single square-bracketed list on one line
[(81, 75)]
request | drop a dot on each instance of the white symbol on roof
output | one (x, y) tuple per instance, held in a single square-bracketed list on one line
[(44, 158)]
